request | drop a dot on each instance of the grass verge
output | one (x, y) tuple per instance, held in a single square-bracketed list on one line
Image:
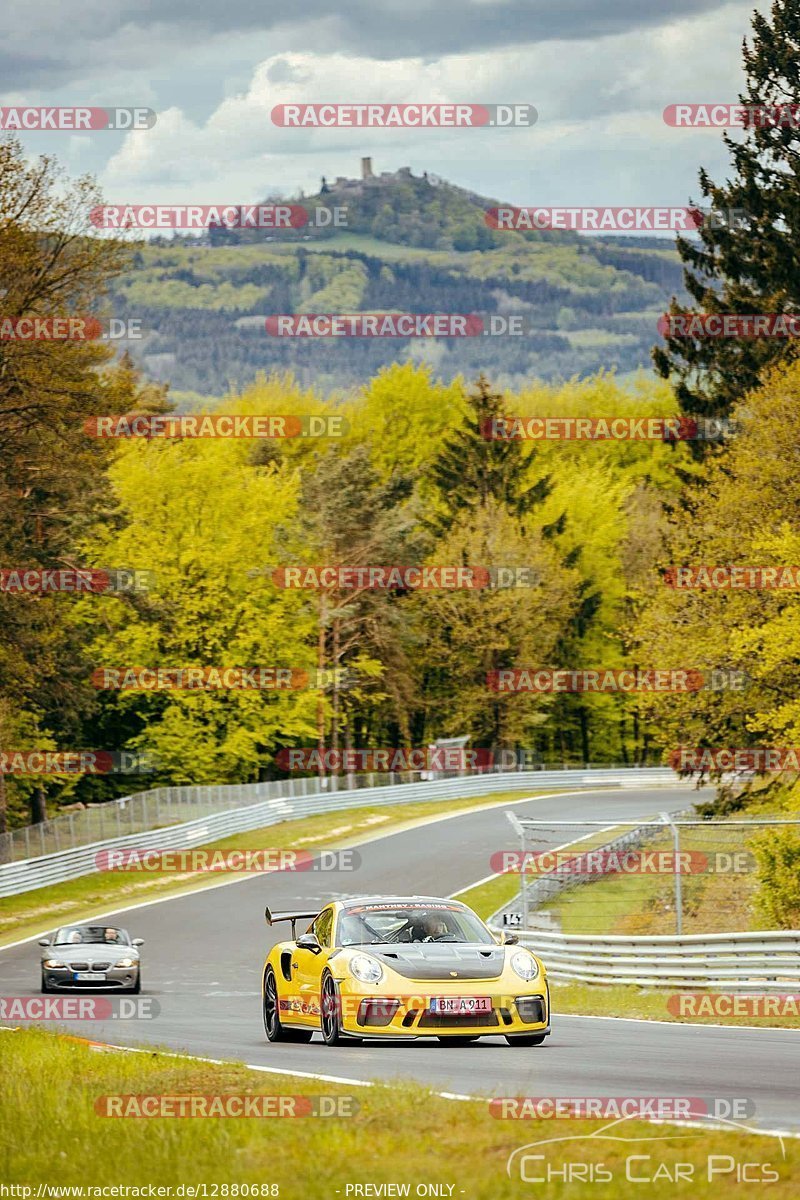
[(79, 899), (713, 901), (486, 898), (650, 1004), (50, 1133)]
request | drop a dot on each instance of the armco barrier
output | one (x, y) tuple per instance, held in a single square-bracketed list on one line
[(157, 807), (260, 813), (731, 961)]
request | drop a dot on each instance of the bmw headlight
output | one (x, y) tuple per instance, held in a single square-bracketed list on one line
[(525, 965), (126, 962), (366, 969), (55, 964)]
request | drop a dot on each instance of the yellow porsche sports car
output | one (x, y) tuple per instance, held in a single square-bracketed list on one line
[(401, 966)]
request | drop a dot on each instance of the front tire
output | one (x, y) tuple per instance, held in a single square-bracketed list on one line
[(46, 989), (137, 987), (275, 1031), (525, 1039)]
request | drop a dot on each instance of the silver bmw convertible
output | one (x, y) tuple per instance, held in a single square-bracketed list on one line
[(99, 957)]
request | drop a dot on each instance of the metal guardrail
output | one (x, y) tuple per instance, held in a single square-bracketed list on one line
[(266, 808), (162, 806), (734, 961), (155, 809)]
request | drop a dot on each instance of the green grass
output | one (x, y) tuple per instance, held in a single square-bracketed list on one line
[(79, 899), (50, 1133), (486, 898), (645, 904), (650, 1004), (600, 906), (365, 243)]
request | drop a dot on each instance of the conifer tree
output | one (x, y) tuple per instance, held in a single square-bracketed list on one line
[(473, 469), (747, 259)]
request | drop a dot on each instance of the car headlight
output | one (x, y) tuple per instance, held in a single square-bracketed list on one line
[(54, 964), (525, 965), (126, 962), (366, 969)]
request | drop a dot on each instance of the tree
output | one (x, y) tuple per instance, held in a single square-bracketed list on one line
[(204, 517), (354, 518), (473, 468), (743, 510), (469, 633), (53, 474), (752, 264), (485, 512)]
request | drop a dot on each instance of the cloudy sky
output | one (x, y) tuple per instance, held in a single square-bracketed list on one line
[(600, 72)]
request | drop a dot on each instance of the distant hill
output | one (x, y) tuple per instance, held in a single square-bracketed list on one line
[(411, 244)]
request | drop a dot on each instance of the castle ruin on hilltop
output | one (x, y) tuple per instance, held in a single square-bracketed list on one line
[(356, 187)]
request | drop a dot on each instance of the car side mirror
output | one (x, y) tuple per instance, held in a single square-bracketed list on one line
[(511, 939), (44, 941), (309, 941), (137, 942)]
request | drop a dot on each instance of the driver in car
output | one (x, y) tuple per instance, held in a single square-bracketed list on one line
[(429, 928)]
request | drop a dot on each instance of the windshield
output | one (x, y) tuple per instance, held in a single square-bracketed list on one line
[(91, 935), (371, 924)]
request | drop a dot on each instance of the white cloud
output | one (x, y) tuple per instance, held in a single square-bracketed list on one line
[(600, 137)]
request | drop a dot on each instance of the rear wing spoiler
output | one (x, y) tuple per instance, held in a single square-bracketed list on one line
[(306, 915)]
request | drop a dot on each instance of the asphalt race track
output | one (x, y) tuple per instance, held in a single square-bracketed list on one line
[(204, 953)]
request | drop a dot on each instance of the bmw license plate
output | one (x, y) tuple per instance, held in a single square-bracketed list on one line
[(89, 976), (458, 1005)]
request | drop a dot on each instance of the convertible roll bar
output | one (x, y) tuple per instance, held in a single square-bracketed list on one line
[(306, 915)]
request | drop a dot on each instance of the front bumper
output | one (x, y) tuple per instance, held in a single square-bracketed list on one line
[(117, 979), (411, 1016)]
